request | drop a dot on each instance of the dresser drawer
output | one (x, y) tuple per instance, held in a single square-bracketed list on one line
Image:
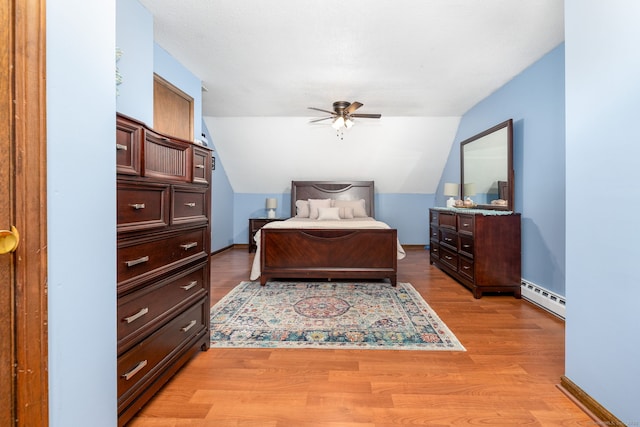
[(143, 258), (128, 142), (142, 206), (166, 159), (138, 365), (433, 217), (434, 250), (201, 162), (140, 310), (434, 235), (466, 223), (188, 204), (466, 245), (449, 258), (449, 238), (466, 267), (447, 219)]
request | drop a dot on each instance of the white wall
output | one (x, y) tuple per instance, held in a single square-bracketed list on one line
[(603, 196), (81, 212)]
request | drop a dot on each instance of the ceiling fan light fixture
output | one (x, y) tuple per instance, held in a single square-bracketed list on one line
[(338, 122), (348, 123)]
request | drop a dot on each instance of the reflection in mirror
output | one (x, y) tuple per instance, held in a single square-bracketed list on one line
[(486, 168)]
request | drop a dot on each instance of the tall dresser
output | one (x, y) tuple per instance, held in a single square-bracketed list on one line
[(163, 223), (479, 248)]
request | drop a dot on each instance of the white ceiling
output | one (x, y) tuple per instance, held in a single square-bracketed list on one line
[(402, 58)]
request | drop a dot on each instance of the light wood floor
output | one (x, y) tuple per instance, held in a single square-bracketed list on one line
[(507, 376)]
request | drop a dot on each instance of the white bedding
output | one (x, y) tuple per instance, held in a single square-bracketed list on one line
[(312, 223)]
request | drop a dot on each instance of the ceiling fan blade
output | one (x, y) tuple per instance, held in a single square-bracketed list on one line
[(367, 116), (324, 111), (319, 120), (353, 107)]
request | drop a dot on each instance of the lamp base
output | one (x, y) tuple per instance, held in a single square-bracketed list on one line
[(271, 213)]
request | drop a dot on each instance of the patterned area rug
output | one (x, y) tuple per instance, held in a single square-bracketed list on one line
[(332, 315)]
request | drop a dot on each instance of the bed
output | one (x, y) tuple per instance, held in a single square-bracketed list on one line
[(351, 245)]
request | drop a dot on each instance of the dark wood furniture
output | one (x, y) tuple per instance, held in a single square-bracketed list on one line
[(480, 250), (255, 224), (163, 223), (329, 253)]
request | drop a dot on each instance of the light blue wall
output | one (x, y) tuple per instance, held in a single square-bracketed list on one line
[(134, 36), (222, 201), (81, 205), (603, 196), (141, 58), (535, 101)]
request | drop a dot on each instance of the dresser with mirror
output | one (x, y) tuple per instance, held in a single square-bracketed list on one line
[(480, 245)]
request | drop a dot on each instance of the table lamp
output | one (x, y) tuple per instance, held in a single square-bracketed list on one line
[(450, 189), (272, 204)]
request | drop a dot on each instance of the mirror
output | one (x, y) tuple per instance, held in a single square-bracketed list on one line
[(486, 167)]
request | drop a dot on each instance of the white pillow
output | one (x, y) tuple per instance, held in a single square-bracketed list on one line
[(314, 204), (302, 208), (328, 214), (358, 206), (345, 213)]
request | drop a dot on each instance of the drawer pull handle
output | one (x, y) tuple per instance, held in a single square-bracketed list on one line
[(137, 206), (190, 204), (188, 246), (448, 257), (466, 246), (121, 147), (199, 166), (138, 315), (465, 224), (190, 285), (127, 376), (137, 261), (446, 239), (466, 267), (189, 326)]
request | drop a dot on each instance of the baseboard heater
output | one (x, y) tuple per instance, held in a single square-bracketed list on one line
[(544, 298)]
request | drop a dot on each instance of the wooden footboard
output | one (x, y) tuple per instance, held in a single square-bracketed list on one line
[(328, 254)]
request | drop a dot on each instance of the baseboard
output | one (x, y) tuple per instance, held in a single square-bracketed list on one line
[(544, 298), (588, 404), (224, 249)]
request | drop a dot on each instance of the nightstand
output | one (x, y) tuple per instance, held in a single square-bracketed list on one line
[(256, 224)]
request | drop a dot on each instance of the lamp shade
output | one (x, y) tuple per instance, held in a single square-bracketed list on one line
[(450, 189), (272, 203), (469, 189)]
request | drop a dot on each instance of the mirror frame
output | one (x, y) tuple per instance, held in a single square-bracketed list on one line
[(508, 124)]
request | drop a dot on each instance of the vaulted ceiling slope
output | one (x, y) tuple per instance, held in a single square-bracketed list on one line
[(401, 58)]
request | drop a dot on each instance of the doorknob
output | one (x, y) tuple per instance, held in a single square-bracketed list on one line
[(9, 240)]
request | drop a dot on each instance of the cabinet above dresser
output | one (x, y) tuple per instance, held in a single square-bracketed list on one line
[(163, 223), (480, 249)]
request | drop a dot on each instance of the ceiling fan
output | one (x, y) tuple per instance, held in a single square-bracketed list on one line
[(343, 114)]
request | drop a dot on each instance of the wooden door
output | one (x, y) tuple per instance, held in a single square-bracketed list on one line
[(23, 309)]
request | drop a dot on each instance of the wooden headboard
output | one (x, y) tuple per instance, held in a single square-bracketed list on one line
[(338, 190)]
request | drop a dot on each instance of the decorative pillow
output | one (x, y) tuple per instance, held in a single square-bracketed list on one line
[(314, 204), (328, 214), (302, 208), (358, 207), (345, 213)]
